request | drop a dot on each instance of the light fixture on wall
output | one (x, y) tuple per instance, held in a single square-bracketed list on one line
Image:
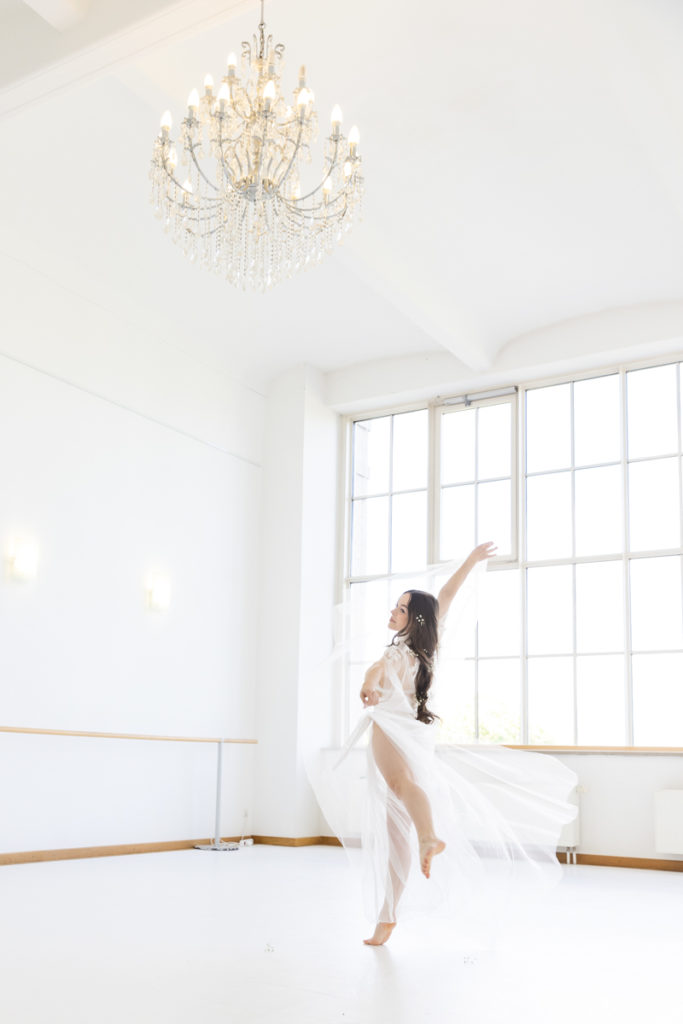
[(243, 208), (22, 558), (158, 593)]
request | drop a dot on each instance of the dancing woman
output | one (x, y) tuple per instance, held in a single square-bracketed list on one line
[(397, 686), (488, 816)]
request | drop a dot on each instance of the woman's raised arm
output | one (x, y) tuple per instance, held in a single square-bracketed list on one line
[(453, 585)]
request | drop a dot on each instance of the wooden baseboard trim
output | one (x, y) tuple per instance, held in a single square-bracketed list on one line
[(78, 853), (84, 852), (305, 841), (645, 863)]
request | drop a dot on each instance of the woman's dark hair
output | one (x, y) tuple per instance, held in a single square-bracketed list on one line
[(422, 636)]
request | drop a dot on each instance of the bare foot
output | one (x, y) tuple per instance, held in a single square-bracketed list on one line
[(382, 933), (429, 849)]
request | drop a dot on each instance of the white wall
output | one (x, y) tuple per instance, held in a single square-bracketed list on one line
[(617, 801), (299, 555), (121, 458)]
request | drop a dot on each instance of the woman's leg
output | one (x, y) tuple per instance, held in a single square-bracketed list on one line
[(399, 779), (398, 824)]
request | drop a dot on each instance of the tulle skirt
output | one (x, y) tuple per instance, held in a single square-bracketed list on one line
[(499, 811)]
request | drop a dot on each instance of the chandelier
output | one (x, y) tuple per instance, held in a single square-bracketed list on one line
[(244, 209)]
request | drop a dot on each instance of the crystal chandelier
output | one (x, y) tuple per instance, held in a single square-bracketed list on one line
[(244, 209)]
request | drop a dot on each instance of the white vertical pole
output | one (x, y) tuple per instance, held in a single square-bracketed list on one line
[(217, 844), (219, 780)]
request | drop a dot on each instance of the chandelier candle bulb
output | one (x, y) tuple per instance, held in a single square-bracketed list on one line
[(269, 94), (251, 209)]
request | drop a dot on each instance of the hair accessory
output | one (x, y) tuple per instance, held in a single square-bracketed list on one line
[(420, 619)]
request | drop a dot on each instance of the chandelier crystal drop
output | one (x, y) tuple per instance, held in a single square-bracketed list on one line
[(230, 190)]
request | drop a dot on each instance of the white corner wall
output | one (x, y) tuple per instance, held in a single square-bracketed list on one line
[(299, 560), (120, 458)]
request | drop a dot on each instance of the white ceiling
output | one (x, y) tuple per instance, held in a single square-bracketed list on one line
[(523, 164)]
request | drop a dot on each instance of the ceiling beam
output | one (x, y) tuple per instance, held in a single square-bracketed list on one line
[(108, 53), (432, 309), (61, 14)]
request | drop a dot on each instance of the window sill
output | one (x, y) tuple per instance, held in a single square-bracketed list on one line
[(597, 750)]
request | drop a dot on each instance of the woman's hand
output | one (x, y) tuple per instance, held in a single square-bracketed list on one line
[(370, 690), (369, 697), (482, 552), (452, 586)]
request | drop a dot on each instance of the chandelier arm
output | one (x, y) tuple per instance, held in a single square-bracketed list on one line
[(199, 169), (224, 165), (333, 163), (317, 211), (297, 147)]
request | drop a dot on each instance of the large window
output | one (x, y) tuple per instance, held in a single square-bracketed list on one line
[(580, 483)]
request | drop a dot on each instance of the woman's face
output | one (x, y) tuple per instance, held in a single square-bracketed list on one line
[(398, 619)]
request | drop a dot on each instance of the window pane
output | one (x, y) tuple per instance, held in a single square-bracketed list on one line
[(495, 515), (457, 521), (370, 537), (368, 610), (656, 604), (455, 704), (550, 614), (599, 607), (548, 423), (551, 701), (549, 516), (457, 446), (654, 513), (601, 700), (409, 531), (371, 444), (500, 631), (658, 700), (411, 450), (494, 430), (499, 701), (652, 414), (599, 516), (597, 421)]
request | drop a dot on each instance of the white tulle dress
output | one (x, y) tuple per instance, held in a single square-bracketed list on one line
[(500, 811)]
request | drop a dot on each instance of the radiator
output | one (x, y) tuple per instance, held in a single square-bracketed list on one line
[(570, 836), (669, 821)]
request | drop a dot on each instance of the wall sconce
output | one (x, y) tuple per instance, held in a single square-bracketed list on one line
[(158, 593), (22, 558)]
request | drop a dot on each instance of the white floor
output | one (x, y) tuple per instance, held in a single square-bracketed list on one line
[(272, 934)]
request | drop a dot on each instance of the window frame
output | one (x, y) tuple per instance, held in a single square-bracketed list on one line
[(517, 560)]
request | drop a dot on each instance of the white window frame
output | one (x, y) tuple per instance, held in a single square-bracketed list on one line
[(518, 557)]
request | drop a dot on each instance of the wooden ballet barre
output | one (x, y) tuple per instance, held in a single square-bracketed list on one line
[(119, 735), (219, 741)]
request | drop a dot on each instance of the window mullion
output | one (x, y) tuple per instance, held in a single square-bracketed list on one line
[(627, 574), (523, 569)]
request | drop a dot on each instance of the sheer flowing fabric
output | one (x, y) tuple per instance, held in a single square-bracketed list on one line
[(499, 811)]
